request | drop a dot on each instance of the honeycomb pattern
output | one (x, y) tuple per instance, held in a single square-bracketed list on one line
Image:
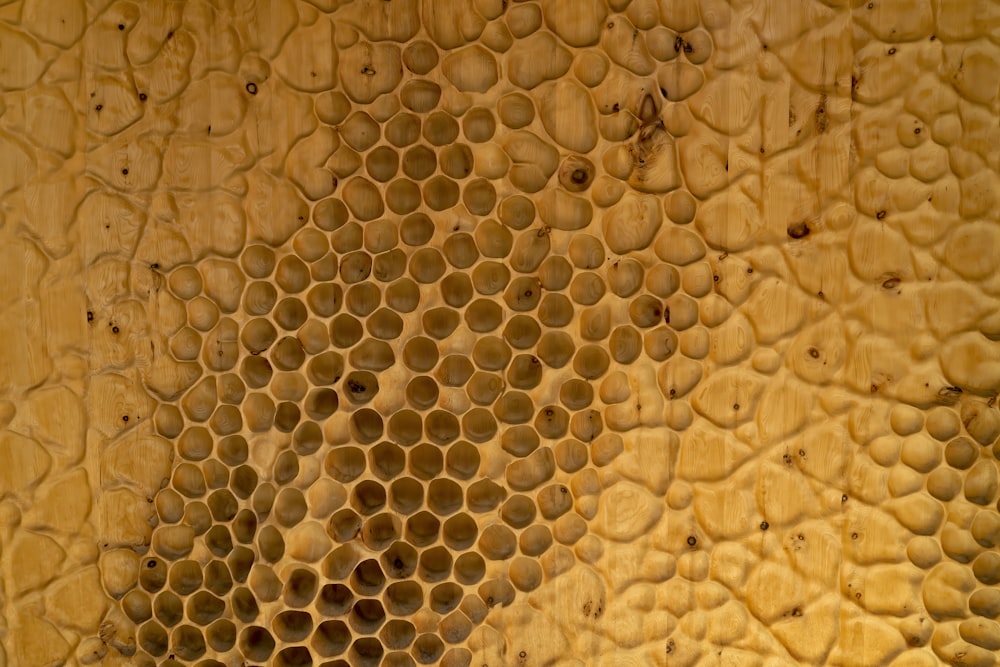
[(478, 332)]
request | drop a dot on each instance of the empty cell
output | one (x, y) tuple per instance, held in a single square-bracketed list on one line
[(367, 578), (221, 635), (244, 605), (478, 124), (293, 656), (460, 532), (137, 606), (367, 616), (289, 507), (307, 438), (270, 544), (406, 427), (434, 564), (243, 481), (363, 299), (399, 561), (386, 460), (422, 529), (625, 344), (366, 652), (427, 649), (258, 261), (334, 600), (462, 460), (345, 331), (366, 425), (290, 313), (368, 497), (440, 322), (456, 289), (380, 531), (203, 607), (219, 541), (372, 355), (518, 511), (331, 638), (403, 129), (256, 643), (555, 273), (168, 609), (256, 371), (484, 496)]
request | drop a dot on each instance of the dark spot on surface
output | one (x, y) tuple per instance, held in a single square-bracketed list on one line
[(871, 5), (892, 51), (764, 525), (90, 316), (891, 283), (563, 489), (114, 330), (916, 130), (151, 564), (368, 71), (802, 452), (142, 97), (787, 458), (124, 172), (616, 107), (670, 646), (692, 540), (814, 353), (880, 215), (578, 176), (523, 654), (170, 35), (663, 91), (99, 107), (252, 88), (796, 612), (798, 230), (121, 26), (736, 406), (749, 269), (154, 265), (761, 150), (843, 498), (933, 37), (398, 564), (854, 536), (820, 294), (678, 44), (715, 278)]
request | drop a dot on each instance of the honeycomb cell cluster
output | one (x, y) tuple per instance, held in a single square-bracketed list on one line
[(395, 414), (500, 332)]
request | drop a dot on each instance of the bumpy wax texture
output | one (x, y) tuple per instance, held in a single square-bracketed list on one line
[(489, 332)]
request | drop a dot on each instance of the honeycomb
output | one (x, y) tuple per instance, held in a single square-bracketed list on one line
[(500, 332)]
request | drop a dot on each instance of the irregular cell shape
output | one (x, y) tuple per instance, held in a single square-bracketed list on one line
[(578, 26), (368, 70), (472, 69), (632, 223), (536, 59), (568, 115)]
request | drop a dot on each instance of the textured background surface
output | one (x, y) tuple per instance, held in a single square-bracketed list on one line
[(474, 332)]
